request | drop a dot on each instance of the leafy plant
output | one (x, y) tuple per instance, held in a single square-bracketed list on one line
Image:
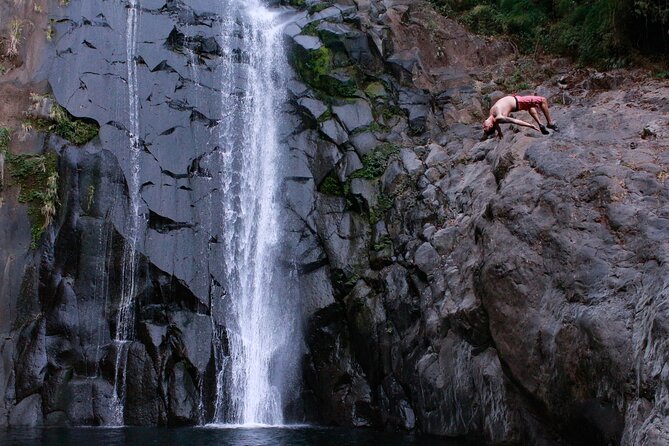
[(37, 176), (76, 130), (375, 162)]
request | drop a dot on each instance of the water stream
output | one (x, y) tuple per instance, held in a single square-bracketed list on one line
[(125, 318), (260, 320)]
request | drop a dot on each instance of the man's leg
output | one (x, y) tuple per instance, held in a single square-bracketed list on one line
[(535, 115), (544, 108)]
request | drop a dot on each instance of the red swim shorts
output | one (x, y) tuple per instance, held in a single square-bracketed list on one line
[(527, 102)]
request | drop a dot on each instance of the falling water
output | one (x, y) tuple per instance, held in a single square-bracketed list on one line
[(125, 319), (260, 322)]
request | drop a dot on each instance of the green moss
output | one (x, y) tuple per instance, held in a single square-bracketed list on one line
[(375, 162), (315, 67), (310, 29), (318, 7), (311, 65), (384, 204), (37, 177), (332, 186), (76, 130), (375, 90), (5, 138), (383, 243), (327, 114)]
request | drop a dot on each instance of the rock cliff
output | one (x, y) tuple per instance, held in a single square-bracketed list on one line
[(508, 290)]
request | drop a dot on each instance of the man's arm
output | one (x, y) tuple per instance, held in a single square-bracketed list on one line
[(499, 130), (507, 120)]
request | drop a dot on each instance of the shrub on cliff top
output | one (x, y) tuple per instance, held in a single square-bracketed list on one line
[(597, 32)]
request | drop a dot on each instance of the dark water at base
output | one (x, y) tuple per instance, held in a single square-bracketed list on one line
[(214, 437)]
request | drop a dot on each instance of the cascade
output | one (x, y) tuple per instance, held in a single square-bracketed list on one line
[(125, 318), (261, 320)]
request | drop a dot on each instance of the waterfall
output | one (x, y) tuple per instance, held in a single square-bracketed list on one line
[(125, 319), (253, 376)]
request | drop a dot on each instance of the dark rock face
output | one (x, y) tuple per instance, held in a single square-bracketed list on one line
[(512, 291), (487, 289)]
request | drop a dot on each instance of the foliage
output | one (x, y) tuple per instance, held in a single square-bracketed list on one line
[(37, 177), (318, 7), (62, 123), (332, 186), (383, 243), (596, 32), (384, 204), (375, 162), (5, 138)]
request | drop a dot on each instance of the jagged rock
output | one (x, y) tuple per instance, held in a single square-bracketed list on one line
[(354, 115), (182, 397), (333, 130), (141, 384), (315, 107), (308, 43), (364, 142), (28, 412)]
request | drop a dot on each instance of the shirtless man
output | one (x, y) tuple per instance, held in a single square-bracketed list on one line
[(499, 114)]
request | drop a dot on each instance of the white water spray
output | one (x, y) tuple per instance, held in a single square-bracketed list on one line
[(260, 320)]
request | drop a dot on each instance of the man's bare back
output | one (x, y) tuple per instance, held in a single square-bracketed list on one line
[(500, 111)]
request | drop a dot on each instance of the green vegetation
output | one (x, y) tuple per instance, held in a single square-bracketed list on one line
[(37, 176), (315, 68), (595, 32), (375, 162), (332, 186), (384, 205), (62, 123), (383, 243), (318, 7)]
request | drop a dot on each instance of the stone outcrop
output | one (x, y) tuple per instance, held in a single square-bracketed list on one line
[(511, 290)]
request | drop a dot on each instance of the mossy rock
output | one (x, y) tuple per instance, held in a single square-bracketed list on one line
[(332, 186), (376, 161), (37, 177), (78, 131), (315, 67), (376, 90)]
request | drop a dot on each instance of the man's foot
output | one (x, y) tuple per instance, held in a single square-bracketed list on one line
[(543, 130), (553, 127)]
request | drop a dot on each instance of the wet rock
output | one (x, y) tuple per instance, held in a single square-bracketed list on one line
[(141, 386), (308, 43), (182, 397), (27, 413)]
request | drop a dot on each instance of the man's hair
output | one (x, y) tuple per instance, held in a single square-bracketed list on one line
[(487, 133)]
